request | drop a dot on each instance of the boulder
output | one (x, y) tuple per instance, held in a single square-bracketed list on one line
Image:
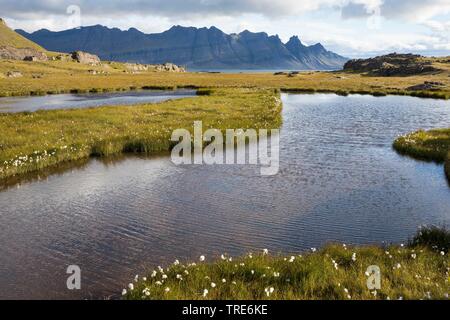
[(11, 53), (14, 74), (85, 58)]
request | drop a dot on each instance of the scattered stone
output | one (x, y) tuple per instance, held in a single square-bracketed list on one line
[(280, 73), (135, 67), (86, 58), (14, 74), (391, 65), (170, 67)]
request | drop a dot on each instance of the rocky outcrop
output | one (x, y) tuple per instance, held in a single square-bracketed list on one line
[(427, 85), (28, 54), (86, 58), (391, 65), (170, 67)]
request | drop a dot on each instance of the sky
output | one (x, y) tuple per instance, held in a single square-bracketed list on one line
[(353, 28)]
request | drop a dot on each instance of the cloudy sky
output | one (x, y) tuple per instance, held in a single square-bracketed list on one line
[(350, 27)]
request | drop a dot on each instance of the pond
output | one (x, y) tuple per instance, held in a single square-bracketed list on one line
[(78, 101), (339, 181)]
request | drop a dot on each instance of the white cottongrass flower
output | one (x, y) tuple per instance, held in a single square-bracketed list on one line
[(131, 286), (186, 272), (213, 285), (398, 266), (202, 258), (252, 272), (276, 274), (205, 292), (146, 292), (414, 256), (265, 251), (223, 257), (374, 293), (269, 291), (160, 269), (354, 256), (154, 273), (158, 283), (144, 279), (136, 278), (292, 259), (124, 292), (224, 280), (442, 253), (313, 249), (242, 264), (167, 289), (179, 277), (233, 282), (177, 262), (345, 290)]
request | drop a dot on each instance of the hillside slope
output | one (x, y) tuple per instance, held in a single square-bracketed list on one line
[(9, 37)]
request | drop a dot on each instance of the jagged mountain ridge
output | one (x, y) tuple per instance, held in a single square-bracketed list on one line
[(196, 48)]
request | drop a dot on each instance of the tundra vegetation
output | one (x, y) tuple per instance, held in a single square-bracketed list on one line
[(432, 145), (38, 140), (418, 270)]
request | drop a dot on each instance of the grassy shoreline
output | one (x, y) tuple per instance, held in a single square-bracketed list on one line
[(416, 271), (432, 145), (55, 77), (33, 141)]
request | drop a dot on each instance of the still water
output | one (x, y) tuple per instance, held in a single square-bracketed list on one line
[(78, 101), (339, 180)]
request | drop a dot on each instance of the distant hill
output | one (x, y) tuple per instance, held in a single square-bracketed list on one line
[(196, 48), (10, 38)]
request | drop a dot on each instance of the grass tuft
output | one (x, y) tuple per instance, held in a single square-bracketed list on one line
[(334, 272)]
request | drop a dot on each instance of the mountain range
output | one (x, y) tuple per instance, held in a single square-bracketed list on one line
[(195, 48)]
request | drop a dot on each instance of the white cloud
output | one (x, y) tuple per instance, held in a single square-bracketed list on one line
[(406, 25)]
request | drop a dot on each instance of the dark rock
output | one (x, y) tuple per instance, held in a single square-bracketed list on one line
[(391, 65), (427, 85)]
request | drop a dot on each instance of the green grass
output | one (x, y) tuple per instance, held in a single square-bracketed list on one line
[(34, 141), (335, 272), (433, 145), (434, 237)]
